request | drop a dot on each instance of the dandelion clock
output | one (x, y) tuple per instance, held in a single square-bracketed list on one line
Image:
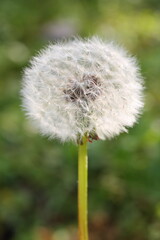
[(80, 91)]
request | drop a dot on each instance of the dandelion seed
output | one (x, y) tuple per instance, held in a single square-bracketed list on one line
[(83, 87)]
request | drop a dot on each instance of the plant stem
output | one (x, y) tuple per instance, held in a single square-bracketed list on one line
[(82, 190)]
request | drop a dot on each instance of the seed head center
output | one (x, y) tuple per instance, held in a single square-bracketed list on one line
[(86, 89)]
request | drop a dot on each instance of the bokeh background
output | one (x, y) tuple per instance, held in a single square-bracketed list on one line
[(38, 178)]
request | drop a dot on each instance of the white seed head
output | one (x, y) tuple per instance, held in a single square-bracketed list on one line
[(83, 87)]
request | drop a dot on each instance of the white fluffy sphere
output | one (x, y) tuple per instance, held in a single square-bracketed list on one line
[(82, 87)]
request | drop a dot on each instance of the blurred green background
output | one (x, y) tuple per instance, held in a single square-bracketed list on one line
[(38, 177)]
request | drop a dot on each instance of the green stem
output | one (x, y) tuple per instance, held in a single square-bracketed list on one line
[(82, 190)]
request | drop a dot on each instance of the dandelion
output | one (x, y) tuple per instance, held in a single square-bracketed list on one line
[(83, 90)]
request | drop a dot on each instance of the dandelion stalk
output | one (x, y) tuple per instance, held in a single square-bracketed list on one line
[(82, 190)]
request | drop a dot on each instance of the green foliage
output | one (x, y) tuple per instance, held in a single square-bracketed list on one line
[(38, 178)]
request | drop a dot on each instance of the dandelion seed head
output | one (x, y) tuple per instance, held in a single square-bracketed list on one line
[(83, 87)]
